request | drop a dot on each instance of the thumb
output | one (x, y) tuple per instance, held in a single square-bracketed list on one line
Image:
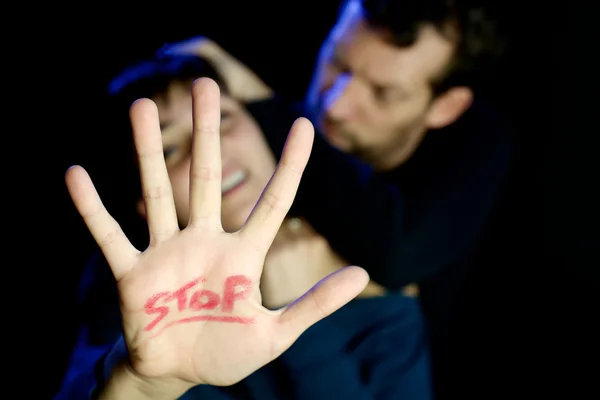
[(326, 297)]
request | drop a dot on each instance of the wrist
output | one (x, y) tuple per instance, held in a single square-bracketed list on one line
[(126, 383)]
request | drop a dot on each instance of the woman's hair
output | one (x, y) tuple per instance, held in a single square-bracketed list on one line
[(149, 78), (152, 77)]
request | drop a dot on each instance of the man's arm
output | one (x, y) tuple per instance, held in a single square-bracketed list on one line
[(371, 349), (364, 217)]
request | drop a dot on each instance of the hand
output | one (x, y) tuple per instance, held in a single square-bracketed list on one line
[(190, 303), (298, 258), (242, 83)]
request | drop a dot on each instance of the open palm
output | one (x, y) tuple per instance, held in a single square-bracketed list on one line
[(191, 303)]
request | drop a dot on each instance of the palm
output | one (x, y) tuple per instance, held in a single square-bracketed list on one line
[(201, 313), (191, 303)]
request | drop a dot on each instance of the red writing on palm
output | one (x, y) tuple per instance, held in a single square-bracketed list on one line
[(235, 288)]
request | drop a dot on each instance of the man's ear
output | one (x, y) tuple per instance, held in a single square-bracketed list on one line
[(449, 106)]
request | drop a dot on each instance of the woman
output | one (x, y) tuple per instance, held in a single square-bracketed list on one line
[(372, 348)]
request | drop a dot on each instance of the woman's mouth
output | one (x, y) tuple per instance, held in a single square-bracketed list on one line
[(232, 181)]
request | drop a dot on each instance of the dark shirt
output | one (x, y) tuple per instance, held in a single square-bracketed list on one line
[(373, 348), (419, 223)]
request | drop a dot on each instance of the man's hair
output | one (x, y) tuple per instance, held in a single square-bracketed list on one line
[(466, 22), (153, 77)]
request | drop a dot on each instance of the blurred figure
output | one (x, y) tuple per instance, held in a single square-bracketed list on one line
[(396, 85), (374, 348)]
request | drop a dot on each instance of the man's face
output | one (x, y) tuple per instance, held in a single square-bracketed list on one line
[(247, 161), (371, 98)]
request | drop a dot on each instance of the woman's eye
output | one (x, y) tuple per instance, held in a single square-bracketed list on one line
[(225, 115), (167, 152)]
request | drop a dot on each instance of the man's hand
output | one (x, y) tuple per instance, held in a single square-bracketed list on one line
[(298, 259), (190, 303), (243, 84)]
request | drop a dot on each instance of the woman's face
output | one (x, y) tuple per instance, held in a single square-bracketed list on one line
[(248, 162)]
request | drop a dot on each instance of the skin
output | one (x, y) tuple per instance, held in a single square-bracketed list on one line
[(299, 258), (239, 134), (202, 352)]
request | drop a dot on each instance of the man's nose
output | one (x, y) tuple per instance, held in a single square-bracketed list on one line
[(339, 98)]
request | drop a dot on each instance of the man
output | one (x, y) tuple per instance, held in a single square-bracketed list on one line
[(395, 86)]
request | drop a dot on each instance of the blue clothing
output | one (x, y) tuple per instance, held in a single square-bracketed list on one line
[(434, 220), (373, 348)]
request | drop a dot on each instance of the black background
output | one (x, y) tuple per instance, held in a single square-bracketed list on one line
[(64, 55)]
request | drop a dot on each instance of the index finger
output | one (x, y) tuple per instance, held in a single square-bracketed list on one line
[(277, 197)]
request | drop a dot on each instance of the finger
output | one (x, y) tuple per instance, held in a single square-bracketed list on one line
[(266, 217), (327, 296), (118, 251), (156, 186), (205, 172)]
